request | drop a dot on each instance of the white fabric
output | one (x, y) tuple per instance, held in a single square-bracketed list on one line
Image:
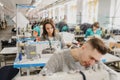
[(22, 21), (113, 74), (67, 37), (90, 75)]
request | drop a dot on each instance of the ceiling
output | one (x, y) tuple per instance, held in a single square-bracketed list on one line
[(9, 6)]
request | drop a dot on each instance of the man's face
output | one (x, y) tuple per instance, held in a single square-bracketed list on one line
[(89, 56)]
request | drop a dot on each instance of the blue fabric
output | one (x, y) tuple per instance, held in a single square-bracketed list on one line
[(37, 29), (64, 28), (90, 32)]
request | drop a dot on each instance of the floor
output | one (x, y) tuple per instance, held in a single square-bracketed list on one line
[(6, 34)]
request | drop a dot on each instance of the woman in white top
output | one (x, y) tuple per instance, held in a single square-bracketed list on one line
[(49, 32)]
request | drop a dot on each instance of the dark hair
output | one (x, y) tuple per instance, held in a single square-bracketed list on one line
[(96, 24), (48, 21), (98, 44)]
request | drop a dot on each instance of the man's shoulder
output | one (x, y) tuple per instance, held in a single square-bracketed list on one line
[(63, 51)]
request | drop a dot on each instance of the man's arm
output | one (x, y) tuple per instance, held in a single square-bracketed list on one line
[(53, 65)]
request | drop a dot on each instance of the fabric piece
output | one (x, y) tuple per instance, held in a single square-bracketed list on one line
[(8, 72)]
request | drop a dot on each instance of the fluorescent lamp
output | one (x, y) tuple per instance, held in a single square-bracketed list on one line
[(38, 0), (1, 4)]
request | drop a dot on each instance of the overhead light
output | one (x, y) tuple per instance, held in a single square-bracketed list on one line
[(38, 0), (1, 4)]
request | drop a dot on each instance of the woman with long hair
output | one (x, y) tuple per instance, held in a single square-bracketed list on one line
[(49, 32)]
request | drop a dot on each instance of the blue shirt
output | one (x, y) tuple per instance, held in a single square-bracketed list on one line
[(90, 32), (37, 29)]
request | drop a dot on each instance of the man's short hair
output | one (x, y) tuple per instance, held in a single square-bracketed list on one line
[(98, 44)]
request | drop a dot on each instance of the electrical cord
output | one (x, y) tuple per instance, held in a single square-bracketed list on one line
[(83, 75)]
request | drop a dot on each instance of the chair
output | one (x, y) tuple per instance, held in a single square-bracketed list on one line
[(8, 72), (1, 59)]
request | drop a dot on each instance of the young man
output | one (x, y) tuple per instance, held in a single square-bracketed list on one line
[(77, 59)]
